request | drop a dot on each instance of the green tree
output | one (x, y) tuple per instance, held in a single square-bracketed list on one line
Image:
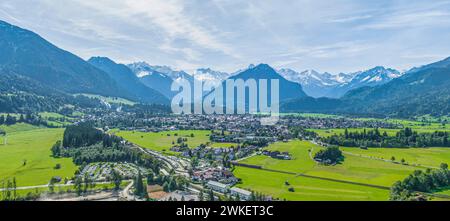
[(117, 179), (87, 182), (211, 195), (78, 185), (56, 149), (51, 186), (444, 166), (139, 188)]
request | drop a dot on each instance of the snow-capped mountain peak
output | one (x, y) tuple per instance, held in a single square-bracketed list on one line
[(143, 69), (325, 84), (375, 76), (209, 75), (312, 77)]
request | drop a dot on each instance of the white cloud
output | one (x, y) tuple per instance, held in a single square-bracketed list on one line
[(169, 16), (411, 19), (334, 35), (350, 19)]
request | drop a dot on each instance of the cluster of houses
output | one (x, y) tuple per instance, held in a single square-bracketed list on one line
[(239, 193), (218, 174), (277, 155), (215, 154)]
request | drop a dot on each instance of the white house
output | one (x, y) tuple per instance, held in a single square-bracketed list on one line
[(219, 187), (243, 194)]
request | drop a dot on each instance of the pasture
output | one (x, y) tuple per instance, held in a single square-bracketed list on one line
[(110, 100), (27, 156), (163, 141), (354, 168), (305, 189), (331, 132), (426, 157)]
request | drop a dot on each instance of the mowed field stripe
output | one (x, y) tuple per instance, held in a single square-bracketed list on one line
[(309, 176)]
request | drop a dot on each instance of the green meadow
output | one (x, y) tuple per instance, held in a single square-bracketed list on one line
[(20, 127), (354, 168), (110, 100), (360, 170), (444, 192), (331, 132), (427, 157), (68, 188), (305, 189), (27, 156), (54, 119), (311, 115), (423, 125), (390, 132)]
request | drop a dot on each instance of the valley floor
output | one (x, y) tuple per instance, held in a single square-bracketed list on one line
[(361, 176)]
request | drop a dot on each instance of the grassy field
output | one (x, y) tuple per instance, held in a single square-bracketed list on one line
[(354, 168), (305, 189), (20, 127), (162, 141), (32, 145), (53, 119), (110, 100), (431, 157), (444, 192), (331, 132), (423, 125), (223, 145), (390, 132), (311, 115), (59, 189)]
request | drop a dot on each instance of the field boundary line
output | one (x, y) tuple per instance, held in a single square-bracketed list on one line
[(309, 176), (388, 161)]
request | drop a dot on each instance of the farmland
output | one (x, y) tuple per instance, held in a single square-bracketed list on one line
[(305, 189), (27, 156), (331, 132), (428, 157), (20, 127), (359, 167), (56, 120), (162, 141), (354, 168), (68, 189), (110, 100)]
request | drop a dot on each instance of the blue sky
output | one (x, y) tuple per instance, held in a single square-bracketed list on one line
[(328, 35)]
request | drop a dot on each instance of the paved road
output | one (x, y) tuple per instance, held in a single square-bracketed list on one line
[(110, 196), (244, 158), (170, 161), (125, 194), (46, 186)]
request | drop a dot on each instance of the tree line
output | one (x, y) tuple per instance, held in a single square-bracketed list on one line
[(329, 156), (430, 181), (85, 144), (29, 118), (374, 138)]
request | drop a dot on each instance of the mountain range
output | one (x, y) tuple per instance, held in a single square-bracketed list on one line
[(211, 76), (288, 89), (155, 79), (420, 91), (325, 84), (127, 80), (33, 69), (25, 53)]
